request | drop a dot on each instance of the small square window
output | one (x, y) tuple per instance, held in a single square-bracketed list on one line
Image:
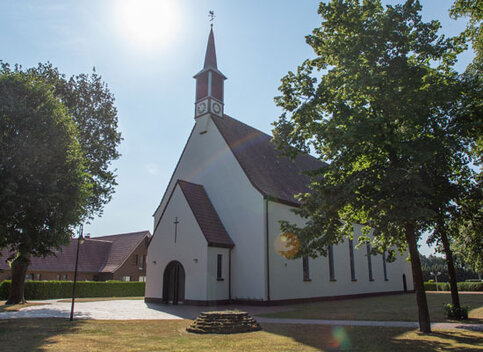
[(219, 263)]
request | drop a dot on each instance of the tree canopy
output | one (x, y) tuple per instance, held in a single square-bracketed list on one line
[(90, 103), (380, 104), (58, 139), (44, 185)]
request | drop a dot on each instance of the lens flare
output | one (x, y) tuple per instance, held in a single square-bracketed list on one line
[(341, 338), (287, 245)]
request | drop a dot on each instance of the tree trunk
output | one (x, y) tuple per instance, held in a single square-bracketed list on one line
[(19, 270), (423, 311), (451, 272)]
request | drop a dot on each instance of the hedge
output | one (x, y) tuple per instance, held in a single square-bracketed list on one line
[(63, 289), (462, 286)]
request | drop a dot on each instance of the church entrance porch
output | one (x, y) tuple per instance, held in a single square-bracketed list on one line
[(174, 283)]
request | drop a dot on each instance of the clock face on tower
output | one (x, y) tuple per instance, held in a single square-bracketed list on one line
[(216, 108), (201, 107)]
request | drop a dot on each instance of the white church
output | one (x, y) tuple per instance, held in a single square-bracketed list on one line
[(217, 226)]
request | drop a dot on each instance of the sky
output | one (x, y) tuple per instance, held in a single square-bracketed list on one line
[(147, 51)]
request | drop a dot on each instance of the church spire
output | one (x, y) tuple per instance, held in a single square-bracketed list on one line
[(209, 83), (210, 56)]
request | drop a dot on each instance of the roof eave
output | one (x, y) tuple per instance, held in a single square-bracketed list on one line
[(210, 68)]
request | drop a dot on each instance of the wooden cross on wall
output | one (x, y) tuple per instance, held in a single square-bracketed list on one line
[(176, 222)]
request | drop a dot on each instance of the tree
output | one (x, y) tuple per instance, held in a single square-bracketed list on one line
[(456, 225), (43, 182), (473, 10), (377, 105), (435, 264), (87, 99), (469, 242)]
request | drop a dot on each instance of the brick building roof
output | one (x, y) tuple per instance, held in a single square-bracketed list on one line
[(99, 254)]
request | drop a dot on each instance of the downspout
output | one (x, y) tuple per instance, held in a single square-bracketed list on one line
[(267, 247), (229, 275)]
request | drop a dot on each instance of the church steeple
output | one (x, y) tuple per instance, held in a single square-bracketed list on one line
[(209, 83), (210, 56)]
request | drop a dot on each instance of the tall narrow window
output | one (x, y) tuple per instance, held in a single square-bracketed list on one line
[(219, 263), (351, 255), (331, 263), (306, 269), (369, 262), (384, 265)]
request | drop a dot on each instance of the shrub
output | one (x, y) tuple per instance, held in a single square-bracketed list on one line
[(63, 289), (462, 286), (470, 286), (431, 286), (456, 313)]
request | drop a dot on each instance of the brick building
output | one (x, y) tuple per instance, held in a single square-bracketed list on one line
[(114, 257)]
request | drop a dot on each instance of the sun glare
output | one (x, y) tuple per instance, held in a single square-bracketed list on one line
[(149, 23)]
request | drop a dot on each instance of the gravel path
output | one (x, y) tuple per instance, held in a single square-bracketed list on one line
[(139, 310)]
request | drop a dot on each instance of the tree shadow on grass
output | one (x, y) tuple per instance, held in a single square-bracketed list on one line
[(18, 335), (350, 338)]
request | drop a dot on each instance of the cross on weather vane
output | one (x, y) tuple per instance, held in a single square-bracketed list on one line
[(211, 15)]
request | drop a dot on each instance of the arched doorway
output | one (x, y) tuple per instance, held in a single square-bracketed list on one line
[(173, 283)]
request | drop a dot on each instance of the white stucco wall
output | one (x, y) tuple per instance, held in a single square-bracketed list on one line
[(190, 250), (208, 161), (218, 289), (286, 276)]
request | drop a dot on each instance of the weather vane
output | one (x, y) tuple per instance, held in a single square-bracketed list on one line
[(211, 15)]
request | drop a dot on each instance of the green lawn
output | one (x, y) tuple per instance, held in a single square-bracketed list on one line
[(148, 335), (401, 307)]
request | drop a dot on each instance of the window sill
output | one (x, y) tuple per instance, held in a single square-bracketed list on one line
[(353, 280), (220, 279), (333, 280), (372, 280), (386, 279), (308, 280)]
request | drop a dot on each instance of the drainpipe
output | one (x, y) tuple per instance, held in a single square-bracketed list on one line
[(267, 246), (229, 275)]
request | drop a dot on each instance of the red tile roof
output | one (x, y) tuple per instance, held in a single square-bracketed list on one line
[(99, 254), (122, 246), (206, 215), (273, 175)]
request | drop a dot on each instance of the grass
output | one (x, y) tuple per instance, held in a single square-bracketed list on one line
[(94, 299), (401, 307), (165, 335)]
